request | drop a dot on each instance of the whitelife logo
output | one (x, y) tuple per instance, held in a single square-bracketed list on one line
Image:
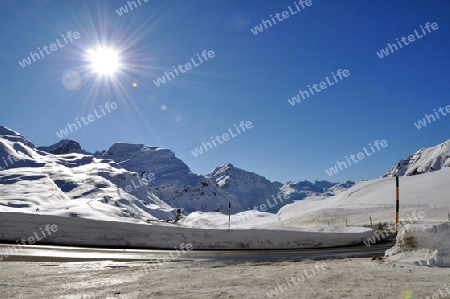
[(360, 156), (317, 269), (411, 38), (145, 179), (53, 48), (90, 118), (285, 14), (323, 85), (184, 248), (11, 160), (124, 9), (225, 137), (187, 66), (423, 123), (392, 228), (31, 240)]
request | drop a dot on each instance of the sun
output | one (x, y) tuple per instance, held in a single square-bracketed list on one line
[(104, 61)]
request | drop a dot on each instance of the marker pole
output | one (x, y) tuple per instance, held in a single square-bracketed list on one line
[(229, 215), (397, 193)]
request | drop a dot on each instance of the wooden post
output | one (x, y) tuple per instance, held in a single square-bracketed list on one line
[(229, 216)]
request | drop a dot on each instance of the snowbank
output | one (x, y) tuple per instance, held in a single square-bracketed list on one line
[(88, 232), (422, 244)]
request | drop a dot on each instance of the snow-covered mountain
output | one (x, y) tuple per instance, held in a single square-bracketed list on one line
[(251, 189), (64, 146), (300, 190), (422, 161), (131, 181), (173, 181), (71, 185)]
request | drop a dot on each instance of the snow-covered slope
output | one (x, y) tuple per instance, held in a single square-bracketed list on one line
[(422, 161), (72, 185), (16, 151), (376, 198)]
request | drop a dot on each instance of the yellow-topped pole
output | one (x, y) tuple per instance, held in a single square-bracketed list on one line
[(397, 189)]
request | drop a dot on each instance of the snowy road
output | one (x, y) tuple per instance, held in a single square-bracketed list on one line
[(44, 253)]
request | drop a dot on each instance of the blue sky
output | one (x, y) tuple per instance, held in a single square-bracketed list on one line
[(250, 78)]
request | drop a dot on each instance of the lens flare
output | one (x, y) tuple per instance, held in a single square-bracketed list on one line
[(408, 294)]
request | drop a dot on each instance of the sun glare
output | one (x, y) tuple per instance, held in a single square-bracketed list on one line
[(104, 61)]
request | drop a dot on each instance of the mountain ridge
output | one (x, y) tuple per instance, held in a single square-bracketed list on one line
[(141, 182), (422, 161)]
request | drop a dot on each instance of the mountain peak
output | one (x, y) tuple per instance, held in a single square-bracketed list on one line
[(4, 131), (15, 137), (424, 160), (63, 147)]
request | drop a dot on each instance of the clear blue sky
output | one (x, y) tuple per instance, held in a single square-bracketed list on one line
[(250, 78)]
